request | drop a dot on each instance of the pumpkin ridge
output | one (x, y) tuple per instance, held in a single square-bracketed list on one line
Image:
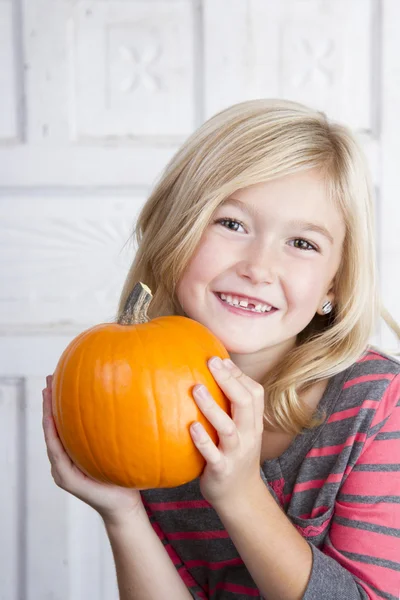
[(71, 348), (116, 451), (84, 436), (138, 337)]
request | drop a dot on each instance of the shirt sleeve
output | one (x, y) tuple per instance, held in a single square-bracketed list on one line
[(360, 558)]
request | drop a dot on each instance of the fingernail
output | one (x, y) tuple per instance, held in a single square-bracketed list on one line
[(228, 363), (201, 391), (197, 429), (216, 363)]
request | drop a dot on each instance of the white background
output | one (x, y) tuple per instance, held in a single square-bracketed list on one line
[(95, 97)]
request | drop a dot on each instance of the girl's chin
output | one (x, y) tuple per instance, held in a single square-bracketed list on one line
[(242, 347)]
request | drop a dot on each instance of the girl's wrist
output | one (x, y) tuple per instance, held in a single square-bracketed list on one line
[(118, 520)]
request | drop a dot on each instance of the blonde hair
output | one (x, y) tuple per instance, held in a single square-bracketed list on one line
[(254, 142)]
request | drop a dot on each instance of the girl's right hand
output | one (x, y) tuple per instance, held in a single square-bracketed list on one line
[(115, 504)]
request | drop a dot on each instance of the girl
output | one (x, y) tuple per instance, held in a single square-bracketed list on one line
[(261, 228)]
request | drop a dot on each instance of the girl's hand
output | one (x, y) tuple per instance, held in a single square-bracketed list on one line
[(233, 468), (115, 504)]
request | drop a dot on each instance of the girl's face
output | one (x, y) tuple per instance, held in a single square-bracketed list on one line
[(273, 244)]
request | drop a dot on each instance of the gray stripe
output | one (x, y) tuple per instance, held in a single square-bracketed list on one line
[(369, 499), (377, 427), (389, 435), (380, 467), (381, 594), (372, 560), (367, 526)]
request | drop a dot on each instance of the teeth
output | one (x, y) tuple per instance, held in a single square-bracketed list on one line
[(234, 301)]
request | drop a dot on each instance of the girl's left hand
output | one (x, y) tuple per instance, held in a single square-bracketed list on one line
[(232, 468)]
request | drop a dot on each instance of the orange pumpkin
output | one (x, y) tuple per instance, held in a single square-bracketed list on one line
[(122, 397)]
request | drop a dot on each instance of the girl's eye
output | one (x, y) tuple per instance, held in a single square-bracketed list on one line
[(229, 223), (304, 245)]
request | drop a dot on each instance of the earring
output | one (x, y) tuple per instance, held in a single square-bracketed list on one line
[(327, 307)]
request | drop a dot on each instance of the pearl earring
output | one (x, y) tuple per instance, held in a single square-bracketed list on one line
[(327, 307)]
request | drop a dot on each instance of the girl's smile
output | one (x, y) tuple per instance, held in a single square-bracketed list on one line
[(243, 308)]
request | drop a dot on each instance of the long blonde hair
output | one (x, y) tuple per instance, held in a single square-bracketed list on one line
[(254, 142)]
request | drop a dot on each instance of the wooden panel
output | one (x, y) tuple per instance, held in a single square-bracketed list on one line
[(10, 132), (303, 50), (131, 67), (90, 558), (47, 526), (13, 490), (64, 259), (109, 88)]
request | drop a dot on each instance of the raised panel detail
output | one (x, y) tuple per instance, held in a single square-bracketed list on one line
[(64, 262), (318, 52), (9, 100), (131, 66)]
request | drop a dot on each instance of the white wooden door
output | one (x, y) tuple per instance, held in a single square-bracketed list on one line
[(95, 96)]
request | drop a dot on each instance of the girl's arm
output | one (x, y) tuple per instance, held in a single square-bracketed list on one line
[(144, 569), (360, 559)]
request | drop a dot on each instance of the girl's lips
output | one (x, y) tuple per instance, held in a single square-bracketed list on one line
[(242, 311)]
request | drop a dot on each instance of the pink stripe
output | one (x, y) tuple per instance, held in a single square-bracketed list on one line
[(278, 486), (352, 412), (318, 483), (311, 530), (393, 423), (328, 450), (191, 583), (371, 356), (343, 414), (172, 554), (198, 535), (382, 512), (382, 578), (214, 565), (378, 545), (384, 452), (388, 403), (236, 589), (365, 378), (371, 483), (287, 498), (191, 504), (158, 530), (319, 510)]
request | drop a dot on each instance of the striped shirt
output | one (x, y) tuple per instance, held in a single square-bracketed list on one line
[(339, 484)]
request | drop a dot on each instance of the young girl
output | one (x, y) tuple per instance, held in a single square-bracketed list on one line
[(261, 228)]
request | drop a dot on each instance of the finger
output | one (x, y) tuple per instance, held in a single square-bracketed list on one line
[(205, 445), (55, 450), (49, 381), (258, 394), (240, 392), (219, 419)]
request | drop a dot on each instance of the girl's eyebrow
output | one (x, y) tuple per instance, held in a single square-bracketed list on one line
[(298, 224)]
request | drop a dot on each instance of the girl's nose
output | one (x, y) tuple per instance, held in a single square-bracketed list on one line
[(260, 265)]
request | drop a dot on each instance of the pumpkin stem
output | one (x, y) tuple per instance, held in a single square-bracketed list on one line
[(135, 310)]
